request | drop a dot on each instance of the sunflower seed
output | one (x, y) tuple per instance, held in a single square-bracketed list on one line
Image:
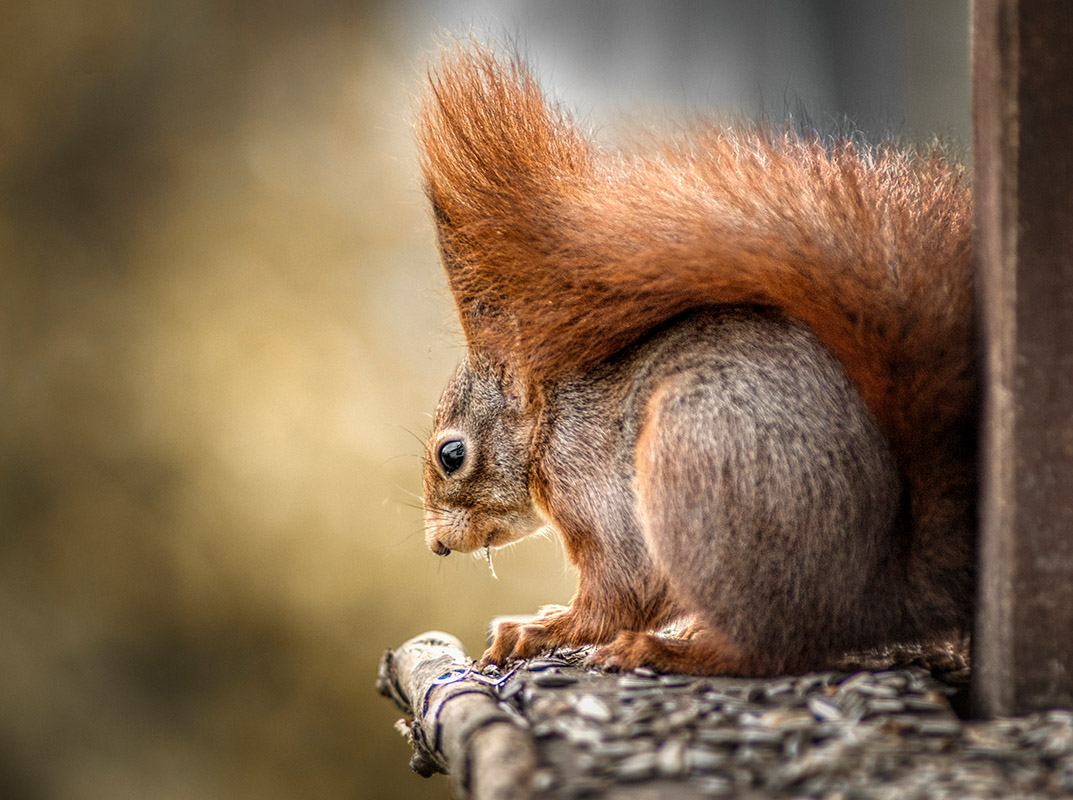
[(636, 767), (884, 705), (711, 785), (670, 758), (939, 727), (592, 707), (704, 760), (823, 709), (554, 678)]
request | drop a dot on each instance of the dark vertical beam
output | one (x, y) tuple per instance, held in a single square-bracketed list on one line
[(1023, 143)]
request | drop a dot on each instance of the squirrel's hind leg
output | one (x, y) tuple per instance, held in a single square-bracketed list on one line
[(703, 653), (766, 496)]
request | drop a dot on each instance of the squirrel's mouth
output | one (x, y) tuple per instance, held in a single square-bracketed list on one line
[(438, 547), (459, 532)]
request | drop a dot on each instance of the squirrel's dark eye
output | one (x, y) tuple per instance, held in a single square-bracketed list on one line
[(452, 454)]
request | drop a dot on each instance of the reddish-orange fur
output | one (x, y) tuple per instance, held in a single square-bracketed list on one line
[(559, 254)]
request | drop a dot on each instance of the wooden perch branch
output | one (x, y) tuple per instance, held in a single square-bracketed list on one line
[(456, 720)]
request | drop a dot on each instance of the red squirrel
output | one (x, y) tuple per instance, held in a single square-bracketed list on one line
[(733, 370)]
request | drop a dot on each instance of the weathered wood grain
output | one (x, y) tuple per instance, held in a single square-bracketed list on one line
[(1023, 142)]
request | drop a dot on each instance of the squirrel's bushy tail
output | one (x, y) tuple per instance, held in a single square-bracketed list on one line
[(559, 254)]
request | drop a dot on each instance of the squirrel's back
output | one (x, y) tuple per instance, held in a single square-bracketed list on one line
[(560, 254)]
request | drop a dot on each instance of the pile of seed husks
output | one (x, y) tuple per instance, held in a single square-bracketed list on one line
[(890, 733)]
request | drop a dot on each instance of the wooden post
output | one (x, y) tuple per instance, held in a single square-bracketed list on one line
[(1023, 143)]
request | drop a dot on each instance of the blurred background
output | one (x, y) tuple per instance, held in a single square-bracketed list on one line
[(223, 324)]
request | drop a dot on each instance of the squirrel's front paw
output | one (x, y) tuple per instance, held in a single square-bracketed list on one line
[(526, 638), (516, 640), (502, 647)]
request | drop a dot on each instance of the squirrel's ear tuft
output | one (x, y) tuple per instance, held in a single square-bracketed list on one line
[(499, 162), (489, 139)]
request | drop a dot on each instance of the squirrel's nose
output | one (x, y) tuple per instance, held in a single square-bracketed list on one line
[(440, 549)]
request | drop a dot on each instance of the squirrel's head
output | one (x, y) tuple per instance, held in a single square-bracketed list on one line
[(495, 158), (476, 483)]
